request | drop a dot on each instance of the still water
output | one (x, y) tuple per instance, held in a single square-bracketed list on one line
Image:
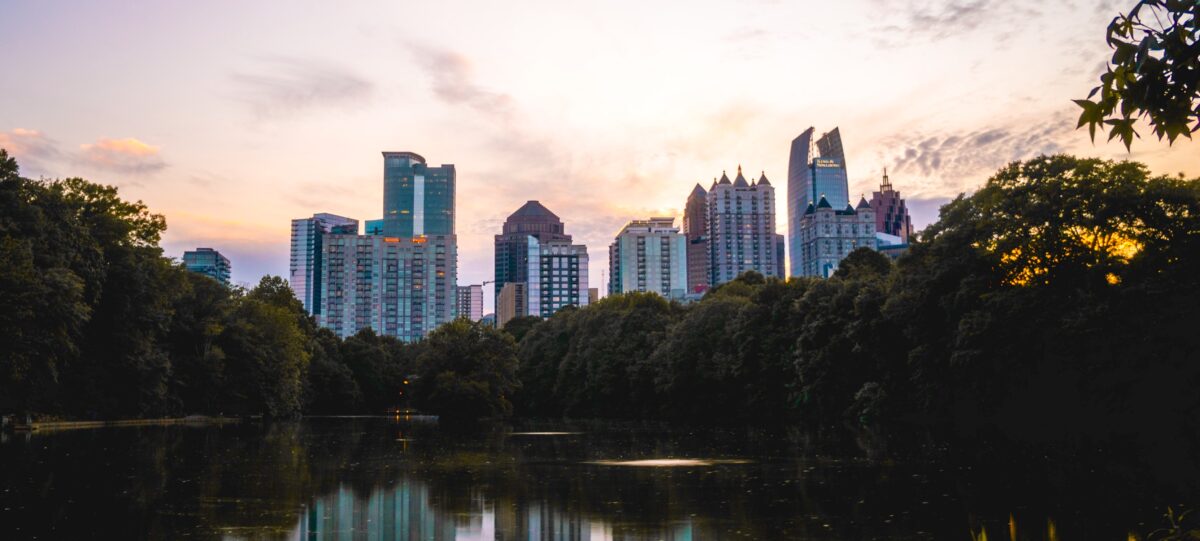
[(408, 478)]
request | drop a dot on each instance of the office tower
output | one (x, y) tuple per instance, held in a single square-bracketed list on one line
[(811, 177), (828, 235), (373, 227), (510, 303), (417, 199), (649, 256), (532, 220), (304, 269), (402, 287), (695, 220), (780, 248), (891, 214), (208, 262), (740, 228), (470, 302), (593, 295)]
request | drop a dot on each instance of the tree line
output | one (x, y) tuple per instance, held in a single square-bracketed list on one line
[(1056, 301), (97, 324)]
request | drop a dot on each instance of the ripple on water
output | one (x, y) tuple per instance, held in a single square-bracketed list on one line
[(543, 433)]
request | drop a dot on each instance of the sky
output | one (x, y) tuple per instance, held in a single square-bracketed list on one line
[(231, 118)]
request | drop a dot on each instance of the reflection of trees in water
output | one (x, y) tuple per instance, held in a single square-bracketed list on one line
[(357, 476)]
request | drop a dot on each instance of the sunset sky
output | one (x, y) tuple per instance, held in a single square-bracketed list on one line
[(232, 118)]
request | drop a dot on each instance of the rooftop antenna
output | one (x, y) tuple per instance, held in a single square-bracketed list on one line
[(887, 184)]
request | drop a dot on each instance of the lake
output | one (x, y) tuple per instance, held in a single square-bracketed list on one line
[(400, 478)]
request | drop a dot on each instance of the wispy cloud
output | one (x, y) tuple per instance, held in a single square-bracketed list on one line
[(128, 155), (453, 82), (280, 87), (935, 20), (954, 161), (31, 148)]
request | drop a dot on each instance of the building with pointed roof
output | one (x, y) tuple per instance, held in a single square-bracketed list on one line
[(695, 221), (891, 214), (828, 235), (740, 228)]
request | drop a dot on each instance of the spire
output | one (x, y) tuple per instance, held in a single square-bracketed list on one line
[(698, 191), (811, 209), (862, 202), (714, 184), (824, 203), (741, 180), (724, 178), (886, 186), (762, 179)]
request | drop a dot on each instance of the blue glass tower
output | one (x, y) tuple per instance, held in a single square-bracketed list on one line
[(809, 179), (417, 199)]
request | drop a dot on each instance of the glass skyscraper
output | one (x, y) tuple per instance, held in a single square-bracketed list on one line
[(532, 220), (809, 179), (304, 269), (208, 262), (417, 199)]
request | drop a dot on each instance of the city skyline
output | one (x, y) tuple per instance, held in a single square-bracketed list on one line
[(231, 126)]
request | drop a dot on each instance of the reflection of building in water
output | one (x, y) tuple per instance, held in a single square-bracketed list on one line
[(404, 512)]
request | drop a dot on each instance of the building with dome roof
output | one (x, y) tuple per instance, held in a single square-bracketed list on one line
[(541, 267)]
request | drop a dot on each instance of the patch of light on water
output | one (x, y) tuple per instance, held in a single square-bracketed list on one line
[(543, 433), (668, 462)]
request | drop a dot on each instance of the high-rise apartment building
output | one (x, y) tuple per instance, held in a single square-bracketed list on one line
[(891, 214), (557, 277), (470, 302), (649, 256), (810, 178), (695, 222), (828, 235), (208, 262), (304, 268), (532, 220), (417, 199), (740, 228), (402, 287)]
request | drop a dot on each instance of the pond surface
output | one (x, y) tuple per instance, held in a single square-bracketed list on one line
[(408, 478)]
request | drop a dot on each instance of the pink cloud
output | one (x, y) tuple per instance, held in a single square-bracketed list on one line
[(127, 155)]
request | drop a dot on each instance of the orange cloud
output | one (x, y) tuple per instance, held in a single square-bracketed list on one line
[(127, 155)]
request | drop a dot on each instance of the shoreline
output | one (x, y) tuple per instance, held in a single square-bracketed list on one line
[(42, 426)]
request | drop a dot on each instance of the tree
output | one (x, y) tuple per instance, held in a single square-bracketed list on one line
[(864, 263), (468, 371), (1154, 73), (519, 326)]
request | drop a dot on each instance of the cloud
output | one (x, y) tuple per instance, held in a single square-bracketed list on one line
[(127, 155), (288, 86), (454, 83), (935, 20), (953, 161), (31, 148)]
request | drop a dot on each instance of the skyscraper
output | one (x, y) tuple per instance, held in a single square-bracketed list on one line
[(695, 220), (740, 228), (809, 179), (400, 279), (532, 220), (510, 303), (891, 214), (780, 247), (402, 287), (470, 302), (208, 262), (557, 277), (649, 255), (304, 269), (417, 199)]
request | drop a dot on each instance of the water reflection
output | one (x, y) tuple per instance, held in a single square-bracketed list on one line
[(381, 479), (405, 512)]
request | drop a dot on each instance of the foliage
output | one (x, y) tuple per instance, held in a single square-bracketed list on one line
[(1154, 73), (520, 326), (467, 371)]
